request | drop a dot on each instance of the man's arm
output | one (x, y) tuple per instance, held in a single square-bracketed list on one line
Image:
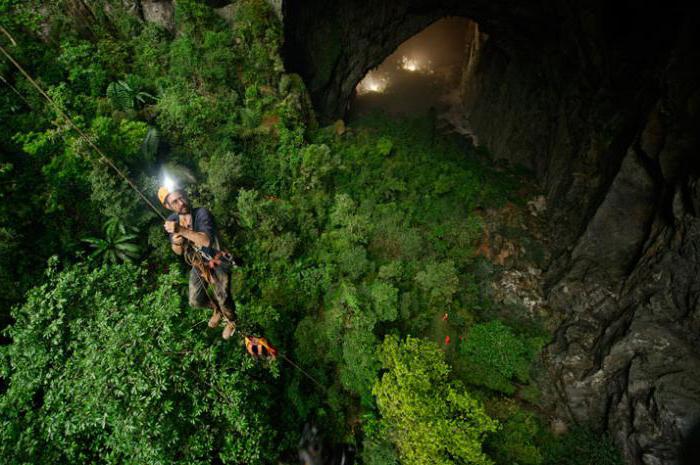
[(200, 239), (178, 244)]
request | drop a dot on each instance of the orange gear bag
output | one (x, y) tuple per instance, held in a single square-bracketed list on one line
[(259, 347)]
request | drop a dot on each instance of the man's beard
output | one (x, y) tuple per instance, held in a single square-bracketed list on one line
[(184, 209)]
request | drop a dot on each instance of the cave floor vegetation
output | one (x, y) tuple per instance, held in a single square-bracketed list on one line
[(387, 259)]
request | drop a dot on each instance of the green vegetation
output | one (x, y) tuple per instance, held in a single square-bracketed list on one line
[(116, 245), (517, 440), (353, 248), (429, 419), (582, 446), (107, 369), (494, 356)]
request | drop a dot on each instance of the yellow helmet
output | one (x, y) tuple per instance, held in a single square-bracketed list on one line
[(163, 194)]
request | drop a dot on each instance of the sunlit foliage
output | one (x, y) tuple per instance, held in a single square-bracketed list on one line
[(430, 419)]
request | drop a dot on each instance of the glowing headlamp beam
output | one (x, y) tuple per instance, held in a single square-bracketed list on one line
[(169, 183)]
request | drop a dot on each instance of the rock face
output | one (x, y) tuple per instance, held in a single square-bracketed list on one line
[(332, 45), (602, 102), (160, 12)]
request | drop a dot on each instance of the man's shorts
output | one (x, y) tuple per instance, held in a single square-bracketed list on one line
[(218, 293), (198, 294)]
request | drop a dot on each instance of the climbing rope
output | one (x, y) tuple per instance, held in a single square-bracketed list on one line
[(81, 134), (105, 159), (195, 260)]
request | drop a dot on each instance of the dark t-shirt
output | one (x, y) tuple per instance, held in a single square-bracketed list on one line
[(202, 221)]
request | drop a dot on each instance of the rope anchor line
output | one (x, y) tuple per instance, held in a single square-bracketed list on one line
[(105, 159)]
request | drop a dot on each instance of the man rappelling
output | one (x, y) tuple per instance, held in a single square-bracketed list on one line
[(193, 235)]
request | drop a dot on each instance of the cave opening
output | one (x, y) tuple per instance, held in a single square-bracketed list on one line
[(423, 74)]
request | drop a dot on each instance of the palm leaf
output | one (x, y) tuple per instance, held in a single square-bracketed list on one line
[(120, 94), (126, 238), (124, 257), (93, 241), (117, 245), (131, 248), (97, 253)]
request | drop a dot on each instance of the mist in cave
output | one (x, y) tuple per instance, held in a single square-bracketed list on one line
[(423, 73)]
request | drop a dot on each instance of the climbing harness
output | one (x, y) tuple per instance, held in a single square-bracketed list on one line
[(258, 347), (221, 258)]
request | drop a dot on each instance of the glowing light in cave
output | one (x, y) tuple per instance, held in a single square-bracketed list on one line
[(418, 75), (409, 64), (373, 82), (414, 64)]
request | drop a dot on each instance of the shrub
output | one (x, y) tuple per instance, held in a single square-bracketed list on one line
[(429, 419), (495, 357), (516, 442), (581, 446), (105, 369)]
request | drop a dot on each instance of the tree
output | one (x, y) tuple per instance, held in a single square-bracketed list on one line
[(105, 367), (429, 419)]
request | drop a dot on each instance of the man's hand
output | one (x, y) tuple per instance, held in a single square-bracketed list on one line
[(178, 239), (172, 227), (199, 239)]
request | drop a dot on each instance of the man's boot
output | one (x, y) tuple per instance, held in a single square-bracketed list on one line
[(229, 330), (215, 319)]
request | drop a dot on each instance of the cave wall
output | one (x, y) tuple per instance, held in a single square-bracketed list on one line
[(627, 354), (332, 45), (614, 139), (601, 101)]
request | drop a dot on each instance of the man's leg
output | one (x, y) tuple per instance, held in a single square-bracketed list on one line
[(198, 297), (222, 295), (224, 301)]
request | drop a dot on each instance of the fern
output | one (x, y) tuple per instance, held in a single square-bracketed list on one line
[(117, 245), (124, 94)]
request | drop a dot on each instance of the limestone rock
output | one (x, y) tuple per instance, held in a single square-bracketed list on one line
[(160, 12)]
